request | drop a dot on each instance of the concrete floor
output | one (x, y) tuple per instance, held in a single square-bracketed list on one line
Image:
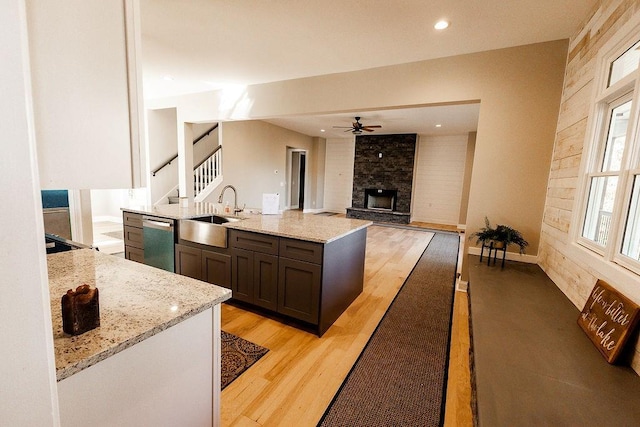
[(533, 365)]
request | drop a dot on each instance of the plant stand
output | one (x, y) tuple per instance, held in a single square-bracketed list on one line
[(492, 248)]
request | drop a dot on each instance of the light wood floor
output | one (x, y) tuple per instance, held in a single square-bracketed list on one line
[(296, 380)]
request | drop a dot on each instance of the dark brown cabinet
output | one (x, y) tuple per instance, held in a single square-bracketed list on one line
[(203, 265), (216, 268), (279, 274), (299, 289), (133, 237), (254, 277), (242, 275), (308, 281), (189, 261)]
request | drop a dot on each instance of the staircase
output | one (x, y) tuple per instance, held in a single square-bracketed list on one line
[(207, 175)]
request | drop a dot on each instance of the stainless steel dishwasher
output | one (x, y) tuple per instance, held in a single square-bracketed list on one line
[(159, 239)]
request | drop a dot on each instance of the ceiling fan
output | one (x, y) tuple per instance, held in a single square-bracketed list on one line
[(356, 128)]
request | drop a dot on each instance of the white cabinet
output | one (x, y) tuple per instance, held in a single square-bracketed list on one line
[(169, 379), (86, 83)]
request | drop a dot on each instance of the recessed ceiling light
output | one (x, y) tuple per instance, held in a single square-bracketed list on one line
[(441, 25), (438, 126), (321, 130)]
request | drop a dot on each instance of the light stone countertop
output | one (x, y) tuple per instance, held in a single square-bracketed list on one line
[(136, 302), (175, 211), (293, 224), (301, 226)]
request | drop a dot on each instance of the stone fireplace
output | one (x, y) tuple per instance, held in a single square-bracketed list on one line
[(383, 178)]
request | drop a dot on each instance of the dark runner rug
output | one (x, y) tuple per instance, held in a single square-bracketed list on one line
[(238, 355), (400, 377)]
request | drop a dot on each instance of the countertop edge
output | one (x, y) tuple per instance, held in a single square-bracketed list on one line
[(242, 227), (248, 222), (142, 211), (72, 369)]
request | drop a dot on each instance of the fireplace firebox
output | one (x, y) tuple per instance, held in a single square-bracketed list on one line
[(375, 198)]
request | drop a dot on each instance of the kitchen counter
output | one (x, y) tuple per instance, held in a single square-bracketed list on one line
[(175, 211), (306, 267), (298, 225), (291, 224), (136, 302)]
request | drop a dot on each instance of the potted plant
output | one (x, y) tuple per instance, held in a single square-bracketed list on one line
[(501, 236)]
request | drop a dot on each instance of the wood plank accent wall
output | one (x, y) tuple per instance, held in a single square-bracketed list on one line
[(338, 175), (439, 179), (573, 277)]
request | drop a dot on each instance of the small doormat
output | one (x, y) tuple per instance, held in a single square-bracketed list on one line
[(238, 355), (115, 234)]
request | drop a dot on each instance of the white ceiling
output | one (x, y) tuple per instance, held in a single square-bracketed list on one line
[(206, 44)]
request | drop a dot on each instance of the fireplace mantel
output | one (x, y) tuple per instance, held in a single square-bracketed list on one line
[(377, 215)]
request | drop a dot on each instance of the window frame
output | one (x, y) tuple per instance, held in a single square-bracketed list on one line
[(604, 100)]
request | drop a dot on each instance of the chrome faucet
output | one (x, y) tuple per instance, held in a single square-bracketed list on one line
[(235, 198)]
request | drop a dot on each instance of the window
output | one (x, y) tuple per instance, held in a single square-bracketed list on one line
[(610, 222), (624, 65)]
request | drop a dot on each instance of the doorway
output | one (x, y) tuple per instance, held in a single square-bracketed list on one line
[(297, 179)]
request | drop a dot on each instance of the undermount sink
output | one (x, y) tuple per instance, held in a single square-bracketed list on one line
[(217, 219), (205, 230)]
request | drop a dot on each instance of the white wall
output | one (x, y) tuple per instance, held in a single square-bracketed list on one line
[(317, 172), (28, 391), (163, 144), (106, 204), (338, 178), (206, 145), (254, 157), (438, 179)]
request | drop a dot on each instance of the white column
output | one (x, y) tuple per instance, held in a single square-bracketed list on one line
[(28, 392), (185, 159)]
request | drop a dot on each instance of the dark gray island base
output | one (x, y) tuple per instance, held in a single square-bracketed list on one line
[(310, 282)]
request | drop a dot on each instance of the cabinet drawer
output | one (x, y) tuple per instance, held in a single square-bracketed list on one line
[(132, 219), (134, 254), (133, 237), (253, 242), (301, 250)]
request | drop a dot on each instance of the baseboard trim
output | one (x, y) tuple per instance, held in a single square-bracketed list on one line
[(511, 256), (314, 210)]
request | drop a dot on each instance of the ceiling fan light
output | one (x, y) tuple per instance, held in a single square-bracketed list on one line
[(441, 25)]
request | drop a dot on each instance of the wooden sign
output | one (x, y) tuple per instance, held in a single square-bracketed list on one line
[(608, 318)]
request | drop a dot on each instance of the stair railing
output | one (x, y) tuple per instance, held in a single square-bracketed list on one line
[(205, 172), (195, 141)]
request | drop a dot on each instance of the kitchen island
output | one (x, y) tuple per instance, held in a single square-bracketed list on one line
[(154, 359), (305, 267), (302, 266)]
